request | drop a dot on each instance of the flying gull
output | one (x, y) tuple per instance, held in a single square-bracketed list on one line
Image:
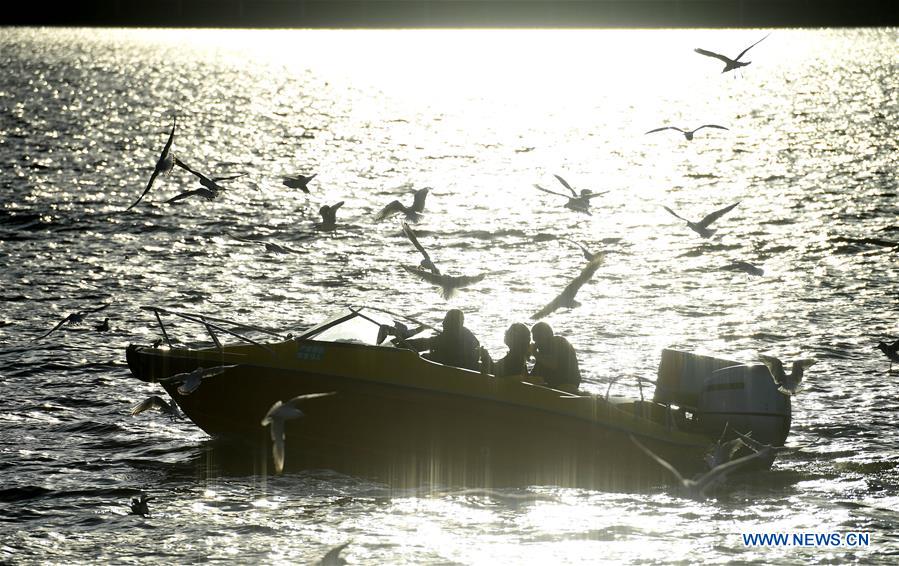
[(687, 133), (579, 202), (276, 417), (155, 403), (729, 64), (188, 382), (429, 271), (566, 297), (74, 318), (298, 181), (412, 213), (164, 164), (787, 384), (696, 488), (702, 227), (329, 217), (332, 558)]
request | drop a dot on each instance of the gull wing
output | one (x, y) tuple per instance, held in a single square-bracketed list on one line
[(162, 156), (566, 185), (710, 126), (713, 216), (152, 403), (278, 444), (308, 396), (588, 255), (184, 195), (704, 481), (55, 328), (750, 47), (665, 128), (392, 208), (713, 54), (97, 309), (412, 238), (589, 196), (538, 187), (418, 201), (676, 215), (775, 367), (567, 294), (204, 180), (332, 558), (661, 461), (230, 178)]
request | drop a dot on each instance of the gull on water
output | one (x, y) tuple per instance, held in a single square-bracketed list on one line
[(329, 216), (103, 326), (687, 133), (579, 202), (277, 415), (891, 351), (164, 165), (787, 384), (139, 505), (332, 558), (745, 267), (298, 181), (696, 488), (702, 227), (155, 403), (566, 297), (429, 271), (188, 382), (74, 318), (729, 64), (412, 213)]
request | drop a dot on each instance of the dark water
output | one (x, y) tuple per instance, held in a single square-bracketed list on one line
[(480, 117)]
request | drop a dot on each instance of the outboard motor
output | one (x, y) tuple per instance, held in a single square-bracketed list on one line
[(725, 393)]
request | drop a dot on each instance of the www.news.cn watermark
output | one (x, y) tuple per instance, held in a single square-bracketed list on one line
[(807, 540)]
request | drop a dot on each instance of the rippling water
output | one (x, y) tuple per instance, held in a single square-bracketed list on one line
[(479, 116)]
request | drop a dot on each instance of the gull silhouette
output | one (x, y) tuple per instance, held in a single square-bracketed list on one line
[(139, 505), (566, 297), (332, 558), (412, 213), (687, 133), (74, 318), (298, 181), (696, 488), (429, 271), (164, 165), (188, 382), (891, 351), (729, 64), (787, 384), (579, 202), (702, 227), (329, 216), (588, 255), (277, 415)]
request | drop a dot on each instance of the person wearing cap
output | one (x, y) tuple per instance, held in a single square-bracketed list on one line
[(555, 359)]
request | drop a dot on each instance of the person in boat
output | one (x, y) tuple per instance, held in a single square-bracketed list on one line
[(455, 346), (555, 359), (518, 339)]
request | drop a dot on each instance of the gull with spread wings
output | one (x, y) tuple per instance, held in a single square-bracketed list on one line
[(702, 227), (566, 297), (164, 165), (298, 181), (412, 213), (579, 202), (787, 384), (278, 415), (429, 271), (155, 403), (729, 64), (329, 217), (696, 488), (687, 133), (210, 188), (74, 318), (188, 382)]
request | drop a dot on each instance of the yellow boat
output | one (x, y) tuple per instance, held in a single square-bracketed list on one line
[(403, 419)]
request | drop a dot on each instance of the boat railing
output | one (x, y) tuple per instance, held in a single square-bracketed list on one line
[(212, 325)]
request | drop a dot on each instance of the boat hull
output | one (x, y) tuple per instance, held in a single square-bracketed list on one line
[(437, 425)]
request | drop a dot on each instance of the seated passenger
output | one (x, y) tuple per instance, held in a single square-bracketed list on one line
[(555, 360), (518, 339), (455, 346)]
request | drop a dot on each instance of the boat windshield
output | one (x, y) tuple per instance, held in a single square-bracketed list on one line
[(359, 327)]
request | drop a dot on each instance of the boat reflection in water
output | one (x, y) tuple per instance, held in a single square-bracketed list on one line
[(407, 421)]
